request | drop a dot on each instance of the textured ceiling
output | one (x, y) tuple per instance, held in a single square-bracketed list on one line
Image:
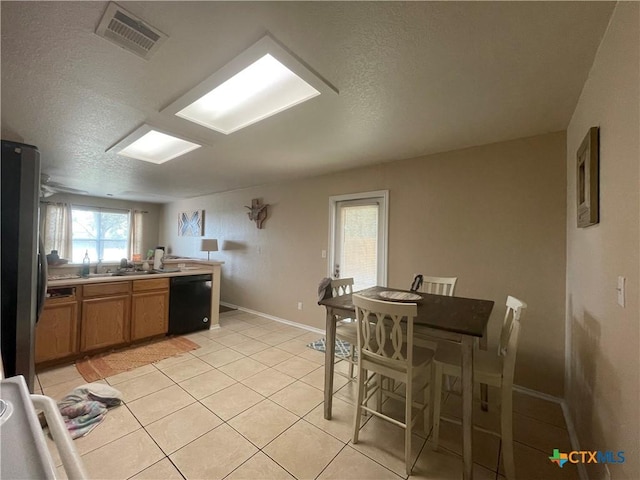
[(413, 78)]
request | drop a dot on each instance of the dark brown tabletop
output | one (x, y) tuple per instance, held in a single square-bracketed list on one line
[(467, 316)]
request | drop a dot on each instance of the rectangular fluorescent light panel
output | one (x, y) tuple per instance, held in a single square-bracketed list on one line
[(262, 89), (157, 147)]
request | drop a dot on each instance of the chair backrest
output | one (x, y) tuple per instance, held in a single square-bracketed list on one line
[(341, 286), (380, 333), (515, 313), (434, 285)]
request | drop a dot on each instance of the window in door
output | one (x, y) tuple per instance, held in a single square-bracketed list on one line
[(359, 238)]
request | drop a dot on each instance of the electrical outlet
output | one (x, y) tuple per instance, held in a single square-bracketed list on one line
[(323, 254), (620, 290), (299, 305)]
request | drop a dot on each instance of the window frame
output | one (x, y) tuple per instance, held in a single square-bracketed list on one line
[(382, 198), (99, 241)]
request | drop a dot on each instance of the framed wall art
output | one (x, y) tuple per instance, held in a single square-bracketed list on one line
[(587, 179), (191, 224)]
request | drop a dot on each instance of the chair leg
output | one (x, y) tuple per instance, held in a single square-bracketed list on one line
[(506, 432), (358, 410), (352, 352), (426, 412), (407, 429), (437, 399)]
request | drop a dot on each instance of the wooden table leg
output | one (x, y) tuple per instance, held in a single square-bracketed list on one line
[(467, 406), (330, 347)]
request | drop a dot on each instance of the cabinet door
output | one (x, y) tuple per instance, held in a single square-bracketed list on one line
[(57, 332), (149, 314), (105, 322)]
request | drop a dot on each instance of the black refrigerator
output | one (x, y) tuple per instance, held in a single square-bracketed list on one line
[(24, 266)]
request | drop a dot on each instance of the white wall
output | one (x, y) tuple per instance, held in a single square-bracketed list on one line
[(492, 215), (603, 348)]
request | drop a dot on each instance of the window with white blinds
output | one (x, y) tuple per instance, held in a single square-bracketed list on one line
[(358, 238), (359, 252)]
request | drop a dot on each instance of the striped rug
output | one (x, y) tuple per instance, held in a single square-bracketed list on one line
[(111, 363), (342, 347)]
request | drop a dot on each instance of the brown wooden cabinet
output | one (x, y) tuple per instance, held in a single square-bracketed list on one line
[(57, 328), (149, 308), (106, 309), (88, 318)]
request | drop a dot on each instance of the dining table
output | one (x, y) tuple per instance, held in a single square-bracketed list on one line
[(458, 319)]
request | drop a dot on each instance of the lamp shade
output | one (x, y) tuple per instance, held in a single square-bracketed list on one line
[(209, 245)]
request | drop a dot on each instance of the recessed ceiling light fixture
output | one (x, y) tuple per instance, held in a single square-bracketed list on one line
[(152, 145), (264, 80)]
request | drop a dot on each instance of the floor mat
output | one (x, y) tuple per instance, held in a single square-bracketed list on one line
[(108, 364), (342, 347)]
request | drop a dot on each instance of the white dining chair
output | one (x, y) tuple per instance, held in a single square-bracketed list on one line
[(490, 368), (384, 352), (346, 328), (434, 285)]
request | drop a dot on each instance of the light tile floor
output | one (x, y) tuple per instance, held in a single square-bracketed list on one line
[(248, 404)]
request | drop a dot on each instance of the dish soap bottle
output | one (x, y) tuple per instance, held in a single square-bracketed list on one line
[(86, 264)]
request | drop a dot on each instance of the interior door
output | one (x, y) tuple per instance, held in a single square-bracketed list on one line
[(359, 233)]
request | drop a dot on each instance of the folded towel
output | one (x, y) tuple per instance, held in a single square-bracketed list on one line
[(82, 417), (99, 392), (85, 407)]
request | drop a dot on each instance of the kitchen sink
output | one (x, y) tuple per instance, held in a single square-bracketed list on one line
[(128, 273), (98, 275)]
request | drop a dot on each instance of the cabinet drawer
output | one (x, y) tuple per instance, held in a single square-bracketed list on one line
[(104, 289), (151, 284), (61, 295)]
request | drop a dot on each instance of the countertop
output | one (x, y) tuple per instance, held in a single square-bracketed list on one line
[(200, 270)]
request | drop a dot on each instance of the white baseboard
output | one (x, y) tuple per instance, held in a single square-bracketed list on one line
[(537, 394), (275, 319), (573, 437)]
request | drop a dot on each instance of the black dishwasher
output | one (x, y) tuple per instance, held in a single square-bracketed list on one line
[(189, 304)]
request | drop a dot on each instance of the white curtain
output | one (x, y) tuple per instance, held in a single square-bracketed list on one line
[(136, 232), (56, 228)]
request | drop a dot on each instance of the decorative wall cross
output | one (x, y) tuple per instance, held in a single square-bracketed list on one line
[(257, 212)]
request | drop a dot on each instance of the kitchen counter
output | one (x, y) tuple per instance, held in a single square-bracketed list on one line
[(102, 278)]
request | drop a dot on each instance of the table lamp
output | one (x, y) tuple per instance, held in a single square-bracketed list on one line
[(209, 245)]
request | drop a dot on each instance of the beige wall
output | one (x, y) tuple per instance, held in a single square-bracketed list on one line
[(493, 215), (602, 337), (151, 218)]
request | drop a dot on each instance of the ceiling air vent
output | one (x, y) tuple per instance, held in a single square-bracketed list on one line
[(129, 32)]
